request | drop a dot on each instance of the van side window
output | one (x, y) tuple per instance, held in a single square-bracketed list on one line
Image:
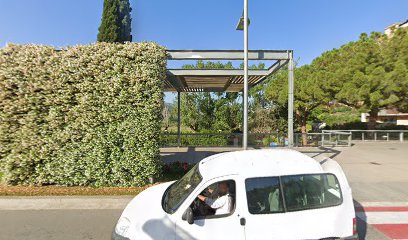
[(263, 195), (300, 192), (303, 192)]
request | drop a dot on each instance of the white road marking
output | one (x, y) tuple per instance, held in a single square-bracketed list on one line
[(383, 217)]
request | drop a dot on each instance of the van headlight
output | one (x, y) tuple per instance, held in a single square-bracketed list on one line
[(122, 227)]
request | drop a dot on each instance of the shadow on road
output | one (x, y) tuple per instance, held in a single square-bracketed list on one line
[(321, 151)]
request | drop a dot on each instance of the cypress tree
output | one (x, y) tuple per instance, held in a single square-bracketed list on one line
[(126, 21), (116, 22)]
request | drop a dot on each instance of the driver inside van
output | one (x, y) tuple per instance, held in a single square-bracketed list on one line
[(221, 205)]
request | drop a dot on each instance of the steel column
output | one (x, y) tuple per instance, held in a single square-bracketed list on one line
[(322, 139), (178, 120), (290, 99), (245, 132)]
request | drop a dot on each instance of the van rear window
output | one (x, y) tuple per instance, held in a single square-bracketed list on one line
[(300, 192)]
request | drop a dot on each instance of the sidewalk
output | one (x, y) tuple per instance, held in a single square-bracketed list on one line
[(64, 202)]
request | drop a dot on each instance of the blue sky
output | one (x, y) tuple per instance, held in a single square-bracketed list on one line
[(309, 27)]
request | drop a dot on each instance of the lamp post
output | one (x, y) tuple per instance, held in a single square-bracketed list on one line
[(243, 25)]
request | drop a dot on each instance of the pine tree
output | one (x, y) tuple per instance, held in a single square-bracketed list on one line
[(116, 22)]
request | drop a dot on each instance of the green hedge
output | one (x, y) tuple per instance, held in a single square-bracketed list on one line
[(198, 140), (85, 115)]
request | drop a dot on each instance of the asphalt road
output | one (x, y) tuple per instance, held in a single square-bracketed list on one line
[(57, 224), (83, 225)]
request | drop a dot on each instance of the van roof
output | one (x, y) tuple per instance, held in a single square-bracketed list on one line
[(258, 163)]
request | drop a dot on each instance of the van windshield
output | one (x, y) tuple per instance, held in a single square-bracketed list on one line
[(180, 190)]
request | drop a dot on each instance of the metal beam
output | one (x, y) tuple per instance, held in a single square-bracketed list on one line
[(274, 68), (216, 72), (227, 54), (290, 100)]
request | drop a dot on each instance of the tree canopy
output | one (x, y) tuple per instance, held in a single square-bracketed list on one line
[(368, 75)]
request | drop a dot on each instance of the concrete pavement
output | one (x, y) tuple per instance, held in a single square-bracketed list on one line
[(64, 202), (377, 172)]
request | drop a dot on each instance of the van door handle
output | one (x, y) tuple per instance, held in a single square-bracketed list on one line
[(242, 221)]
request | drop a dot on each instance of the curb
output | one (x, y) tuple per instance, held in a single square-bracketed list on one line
[(60, 203)]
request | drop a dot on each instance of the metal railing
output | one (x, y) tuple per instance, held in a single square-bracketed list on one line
[(374, 135), (335, 139), (274, 139)]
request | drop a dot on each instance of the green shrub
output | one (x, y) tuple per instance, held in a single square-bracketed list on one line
[(86, 115), (196, 140)]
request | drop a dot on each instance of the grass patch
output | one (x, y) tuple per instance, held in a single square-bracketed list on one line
[(69, 191)]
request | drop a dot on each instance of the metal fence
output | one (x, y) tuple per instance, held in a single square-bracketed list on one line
[(375, 135), (336, 138), (256, 139)]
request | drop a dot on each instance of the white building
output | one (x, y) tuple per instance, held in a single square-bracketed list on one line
[(391, 28), (390, 116)]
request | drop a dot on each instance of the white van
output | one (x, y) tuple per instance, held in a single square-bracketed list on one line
[(272, 194)]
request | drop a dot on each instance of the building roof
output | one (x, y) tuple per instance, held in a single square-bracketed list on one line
[(391, 112), (220, 80), (398, 24), (258, 163)]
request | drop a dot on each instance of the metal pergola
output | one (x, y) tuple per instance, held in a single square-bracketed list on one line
[(227, 80)]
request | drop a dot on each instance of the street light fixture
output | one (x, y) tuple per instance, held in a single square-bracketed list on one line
[(240, 25), (243, 25)]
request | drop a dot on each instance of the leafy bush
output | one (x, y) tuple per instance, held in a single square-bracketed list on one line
[(175, 170), (86, 115)]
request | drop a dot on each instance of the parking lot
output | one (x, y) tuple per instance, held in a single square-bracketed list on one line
[(377, 173)]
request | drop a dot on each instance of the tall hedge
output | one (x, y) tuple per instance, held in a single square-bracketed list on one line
[(85, 115)]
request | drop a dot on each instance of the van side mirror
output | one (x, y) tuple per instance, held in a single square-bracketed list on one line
[(188, 216)]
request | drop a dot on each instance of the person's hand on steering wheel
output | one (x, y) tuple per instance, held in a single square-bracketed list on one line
[(202, 197), (210, 190)]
